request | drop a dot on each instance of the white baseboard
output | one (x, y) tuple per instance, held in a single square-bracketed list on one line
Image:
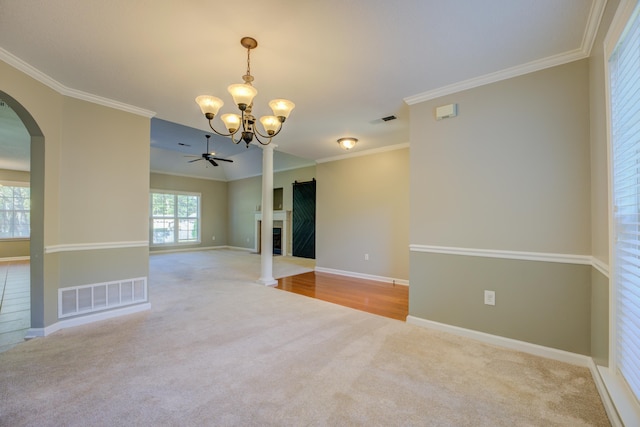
[(525, 347), (239, 248), (84, 320), (537, 350), (362, 276), (15, 258), (168, 251), (620, 400), (603, 391)]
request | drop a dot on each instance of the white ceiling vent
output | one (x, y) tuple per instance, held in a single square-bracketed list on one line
[(383, 119)]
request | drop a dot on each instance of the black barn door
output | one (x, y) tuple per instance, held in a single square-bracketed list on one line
[(304, 219)]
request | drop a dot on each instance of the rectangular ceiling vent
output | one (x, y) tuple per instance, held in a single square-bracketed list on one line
[(383, 119)]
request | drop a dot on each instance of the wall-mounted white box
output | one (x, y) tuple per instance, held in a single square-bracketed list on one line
[(446, 111), (490, 297)]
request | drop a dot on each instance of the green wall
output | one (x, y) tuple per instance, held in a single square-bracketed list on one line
[(599, 191), (363, 208), (509, 175), (599, 317), (245, 195), (89, 187), (545, 303)]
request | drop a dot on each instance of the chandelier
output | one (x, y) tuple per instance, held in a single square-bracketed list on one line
[(243, 94)]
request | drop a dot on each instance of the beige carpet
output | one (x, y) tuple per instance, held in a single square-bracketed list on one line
[(216, 349)]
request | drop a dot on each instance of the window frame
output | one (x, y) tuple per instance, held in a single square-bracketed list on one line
[(176, 219), (21, 184)]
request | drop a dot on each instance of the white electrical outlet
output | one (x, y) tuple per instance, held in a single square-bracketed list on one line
[(490, 297), (213, 238), (366, 257)]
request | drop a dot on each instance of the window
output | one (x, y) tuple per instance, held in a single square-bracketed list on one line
[(175, 218), (15, 205), (624, 74)]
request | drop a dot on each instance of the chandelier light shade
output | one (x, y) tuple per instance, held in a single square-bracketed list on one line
[(231, 121), (347, 143), (243, 94)]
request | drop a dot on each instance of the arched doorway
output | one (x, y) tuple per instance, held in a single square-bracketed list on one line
[(36, 250)]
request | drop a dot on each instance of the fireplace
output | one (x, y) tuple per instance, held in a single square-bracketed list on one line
[(281, 222), (277, 241)]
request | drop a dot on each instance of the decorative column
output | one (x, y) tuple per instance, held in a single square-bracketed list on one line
[(266, 253)]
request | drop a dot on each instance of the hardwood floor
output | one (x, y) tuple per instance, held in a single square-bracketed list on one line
[(384, 299)]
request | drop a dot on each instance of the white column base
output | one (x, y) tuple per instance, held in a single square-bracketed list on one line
[(267, 281)]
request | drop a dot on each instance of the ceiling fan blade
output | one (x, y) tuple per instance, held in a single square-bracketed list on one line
[(213, 162), (223, 160), (194, 160)]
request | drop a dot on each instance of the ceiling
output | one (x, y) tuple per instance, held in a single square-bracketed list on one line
[(345, 63)]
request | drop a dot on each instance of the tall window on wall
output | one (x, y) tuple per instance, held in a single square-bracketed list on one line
[(174, 218), (15, 206), (624, 76)]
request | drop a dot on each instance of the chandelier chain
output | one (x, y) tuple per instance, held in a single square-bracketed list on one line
[(248, 62)]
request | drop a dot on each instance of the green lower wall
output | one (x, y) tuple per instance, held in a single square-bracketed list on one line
[(44, 290), (102, 265), (77, 268), (599, 318), (544, 303)]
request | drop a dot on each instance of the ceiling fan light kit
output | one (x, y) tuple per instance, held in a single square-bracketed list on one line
[(243, 94)]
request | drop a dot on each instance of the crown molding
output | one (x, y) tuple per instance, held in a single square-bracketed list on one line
[(508, 73), (184, 175), (351, 155), (593, 23), (588, 38), (41, 77)]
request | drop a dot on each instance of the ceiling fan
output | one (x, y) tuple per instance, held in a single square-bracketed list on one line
[(209, 156)]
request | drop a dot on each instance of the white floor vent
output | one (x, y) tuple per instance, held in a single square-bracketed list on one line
[(101, 296)]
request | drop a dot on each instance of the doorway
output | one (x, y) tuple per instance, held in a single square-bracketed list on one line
[(35, 138)]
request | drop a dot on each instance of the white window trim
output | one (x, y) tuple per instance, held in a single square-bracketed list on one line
[(625, 402), (174, 192), (24, 184)]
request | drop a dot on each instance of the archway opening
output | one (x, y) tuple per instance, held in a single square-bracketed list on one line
[(22, 147)]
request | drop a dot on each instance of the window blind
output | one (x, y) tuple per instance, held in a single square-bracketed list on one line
[(624, 70)]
